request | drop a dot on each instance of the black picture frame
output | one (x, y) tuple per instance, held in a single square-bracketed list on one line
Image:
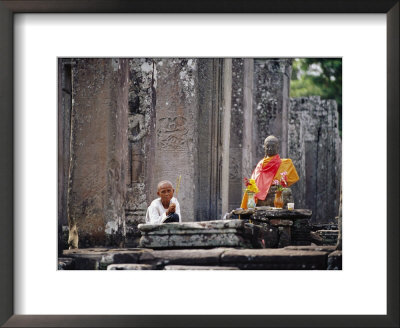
[(11, 7)]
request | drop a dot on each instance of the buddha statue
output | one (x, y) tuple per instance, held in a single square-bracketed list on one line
[(269, 169)]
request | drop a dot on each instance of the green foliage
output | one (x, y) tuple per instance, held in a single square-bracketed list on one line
[(318, 77)]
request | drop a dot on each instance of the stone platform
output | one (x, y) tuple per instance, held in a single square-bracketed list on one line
[(204, 234), (293, 227), (288, 258)]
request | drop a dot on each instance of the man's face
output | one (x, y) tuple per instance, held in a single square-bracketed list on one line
[(165, 192), (271, 148)]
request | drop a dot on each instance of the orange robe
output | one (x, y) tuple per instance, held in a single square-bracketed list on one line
[(285, 165)]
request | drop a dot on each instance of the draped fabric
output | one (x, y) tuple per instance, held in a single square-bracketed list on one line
[(264, 174), (286, 165)]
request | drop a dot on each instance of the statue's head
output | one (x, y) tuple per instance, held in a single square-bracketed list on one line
[(271, 146)]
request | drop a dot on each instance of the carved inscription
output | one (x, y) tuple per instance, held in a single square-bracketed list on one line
[(234, 169), (172, 133)]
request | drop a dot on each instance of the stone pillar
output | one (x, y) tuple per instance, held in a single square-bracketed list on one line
[(248, 150), (176, 130), (208, 168), (64, 133), (99, 149), (272, 85), (315, 148), (141, 135), (226, 131), (236, 135)]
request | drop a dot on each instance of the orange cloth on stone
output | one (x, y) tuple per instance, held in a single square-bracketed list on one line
[(286, 165)]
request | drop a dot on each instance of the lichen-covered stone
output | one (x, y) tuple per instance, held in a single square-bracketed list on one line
[(100, 258), (327, 249), (329, 237), (198, 267), (130, 266), (205, 234), (66, 264), (292, 257), (198, 240), (160, 258), (99, 148), (335, 260), (275, 259), (315, 148)]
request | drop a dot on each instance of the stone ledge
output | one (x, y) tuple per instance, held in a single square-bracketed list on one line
[(335, 260), (327, 249), (197, 267), (183, 257), (129, 266), (275, 259), (201, 226), (289, 258), (100, 258), (264, 212), (280, 222), (204, 234)]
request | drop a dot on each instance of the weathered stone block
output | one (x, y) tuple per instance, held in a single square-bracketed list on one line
[(100, 258), (130, 267), (197, 240), (275, 259), (66, 264), (197, 267), (335, 260), (327, 249), (329, 237), (161, 258), (205, 234)]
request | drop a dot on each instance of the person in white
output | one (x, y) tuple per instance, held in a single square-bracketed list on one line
[(164, 206)]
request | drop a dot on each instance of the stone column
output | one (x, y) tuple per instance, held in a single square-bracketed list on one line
[(248, 150), (236, 135), (315, 148), (226, 129), (99, 149), (176, 130), (272, 85), (64, 133), (141, 135)]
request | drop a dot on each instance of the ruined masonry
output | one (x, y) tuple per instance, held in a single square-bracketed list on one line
[(126, 124)]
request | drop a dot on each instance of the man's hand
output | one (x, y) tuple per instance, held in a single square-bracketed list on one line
[(171, 209)]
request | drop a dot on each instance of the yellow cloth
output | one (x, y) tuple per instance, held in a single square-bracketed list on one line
[(286, 165)]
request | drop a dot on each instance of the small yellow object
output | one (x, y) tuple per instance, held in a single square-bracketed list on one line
[(252, 186)]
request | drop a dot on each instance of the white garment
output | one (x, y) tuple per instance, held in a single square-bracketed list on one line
[(156, 212)]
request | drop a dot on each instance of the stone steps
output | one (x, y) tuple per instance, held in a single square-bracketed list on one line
[(288, 258)]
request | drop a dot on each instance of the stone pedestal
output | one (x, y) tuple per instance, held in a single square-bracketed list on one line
[(206, 234), (284, 229), (280, 227)]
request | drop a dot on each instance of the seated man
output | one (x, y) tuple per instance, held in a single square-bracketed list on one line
[(166, 208), (269, 169)]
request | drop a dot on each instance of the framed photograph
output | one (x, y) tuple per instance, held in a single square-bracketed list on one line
[(37, 36)]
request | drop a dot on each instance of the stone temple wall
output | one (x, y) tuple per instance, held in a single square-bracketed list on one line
[(315, 148)]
